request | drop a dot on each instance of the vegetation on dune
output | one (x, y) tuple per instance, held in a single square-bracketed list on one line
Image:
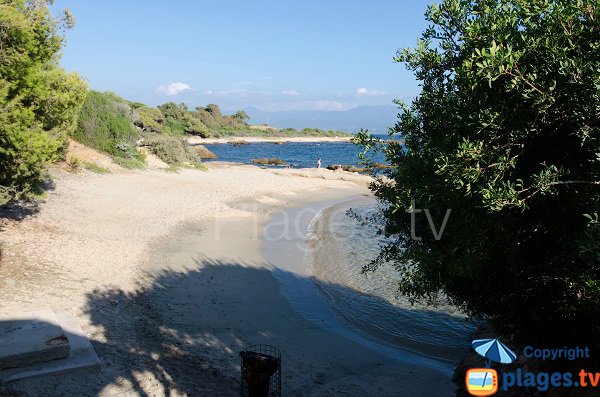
[(208, 121), (39, 101), (505, 134), (98, 169), (172, 150), (115, 126), (105, 124), (267, 131)]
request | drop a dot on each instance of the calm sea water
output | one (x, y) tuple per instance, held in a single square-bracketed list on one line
[(339, 246), (298, 154)]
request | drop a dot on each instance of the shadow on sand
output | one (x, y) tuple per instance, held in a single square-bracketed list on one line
[(20, 210), (182, 334)]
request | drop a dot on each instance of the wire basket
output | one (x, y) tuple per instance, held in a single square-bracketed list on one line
[(261, 371)]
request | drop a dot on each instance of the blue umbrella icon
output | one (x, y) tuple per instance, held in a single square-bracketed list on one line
[(494, 350)]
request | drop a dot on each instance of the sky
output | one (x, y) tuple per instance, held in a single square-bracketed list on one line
[(271, 54)]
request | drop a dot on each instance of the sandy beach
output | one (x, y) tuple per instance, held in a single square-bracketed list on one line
[(168, 277)]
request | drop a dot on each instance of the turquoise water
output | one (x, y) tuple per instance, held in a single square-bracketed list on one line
[(339, 246)]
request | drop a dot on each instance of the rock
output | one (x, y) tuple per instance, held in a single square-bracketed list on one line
[(204, 153), (381, 166), (349, 168), (269, 161), (239, 143)]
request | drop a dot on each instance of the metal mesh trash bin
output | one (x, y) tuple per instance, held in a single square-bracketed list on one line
[(261, 371)]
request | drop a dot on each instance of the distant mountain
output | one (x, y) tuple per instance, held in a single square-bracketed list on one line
[(375, 118)]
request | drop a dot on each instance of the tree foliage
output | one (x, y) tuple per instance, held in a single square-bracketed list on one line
[(505, 134), (39, 101)]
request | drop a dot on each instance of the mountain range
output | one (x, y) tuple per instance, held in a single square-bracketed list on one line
[(377, 119)]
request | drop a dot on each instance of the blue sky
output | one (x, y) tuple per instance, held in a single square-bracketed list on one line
[(272, 54)]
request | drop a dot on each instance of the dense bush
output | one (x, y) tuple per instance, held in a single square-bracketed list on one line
[(38, 100), (108, 123), (105, 123), (193, 126), (170, 149), (149, 119), (506, 134), (173, 111)]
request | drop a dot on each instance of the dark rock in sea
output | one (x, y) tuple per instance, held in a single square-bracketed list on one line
[(380, 166), (349, 168), (269, 161)]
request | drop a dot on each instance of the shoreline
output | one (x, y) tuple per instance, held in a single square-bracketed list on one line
[(266, 139), (169, 283), (249, 289), (312, 299), (415, 328)]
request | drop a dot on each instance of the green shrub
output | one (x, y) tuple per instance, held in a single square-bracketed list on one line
[(105, 123), (173, 111), (196, 166), (170, 149), (194, 126), (98, 169), (130, 163), (149, 119), (75, 164)]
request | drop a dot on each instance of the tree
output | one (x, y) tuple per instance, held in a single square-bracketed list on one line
[(39, 102), (241, 117), (214, 110), (173, 111), (505, 133), (194, 126)]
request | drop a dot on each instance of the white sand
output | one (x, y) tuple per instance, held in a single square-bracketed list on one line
[(166, 274)]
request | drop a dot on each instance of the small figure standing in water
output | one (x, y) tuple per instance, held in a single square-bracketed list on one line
[(319, 162)]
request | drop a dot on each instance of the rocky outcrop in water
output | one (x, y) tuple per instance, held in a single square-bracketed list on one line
[(204, 153)]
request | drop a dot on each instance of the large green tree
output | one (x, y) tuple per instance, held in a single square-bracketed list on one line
[(505, 134), (39, 102)]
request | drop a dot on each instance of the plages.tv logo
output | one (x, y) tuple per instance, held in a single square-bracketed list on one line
[(483, 382)]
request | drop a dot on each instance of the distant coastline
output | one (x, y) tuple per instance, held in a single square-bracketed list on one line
[(195, 140)]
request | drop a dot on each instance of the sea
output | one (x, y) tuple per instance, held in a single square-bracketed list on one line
[(341, 240), (296, 154)]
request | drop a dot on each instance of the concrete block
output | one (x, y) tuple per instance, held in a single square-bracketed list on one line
[(28, 339), (82, 356)]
